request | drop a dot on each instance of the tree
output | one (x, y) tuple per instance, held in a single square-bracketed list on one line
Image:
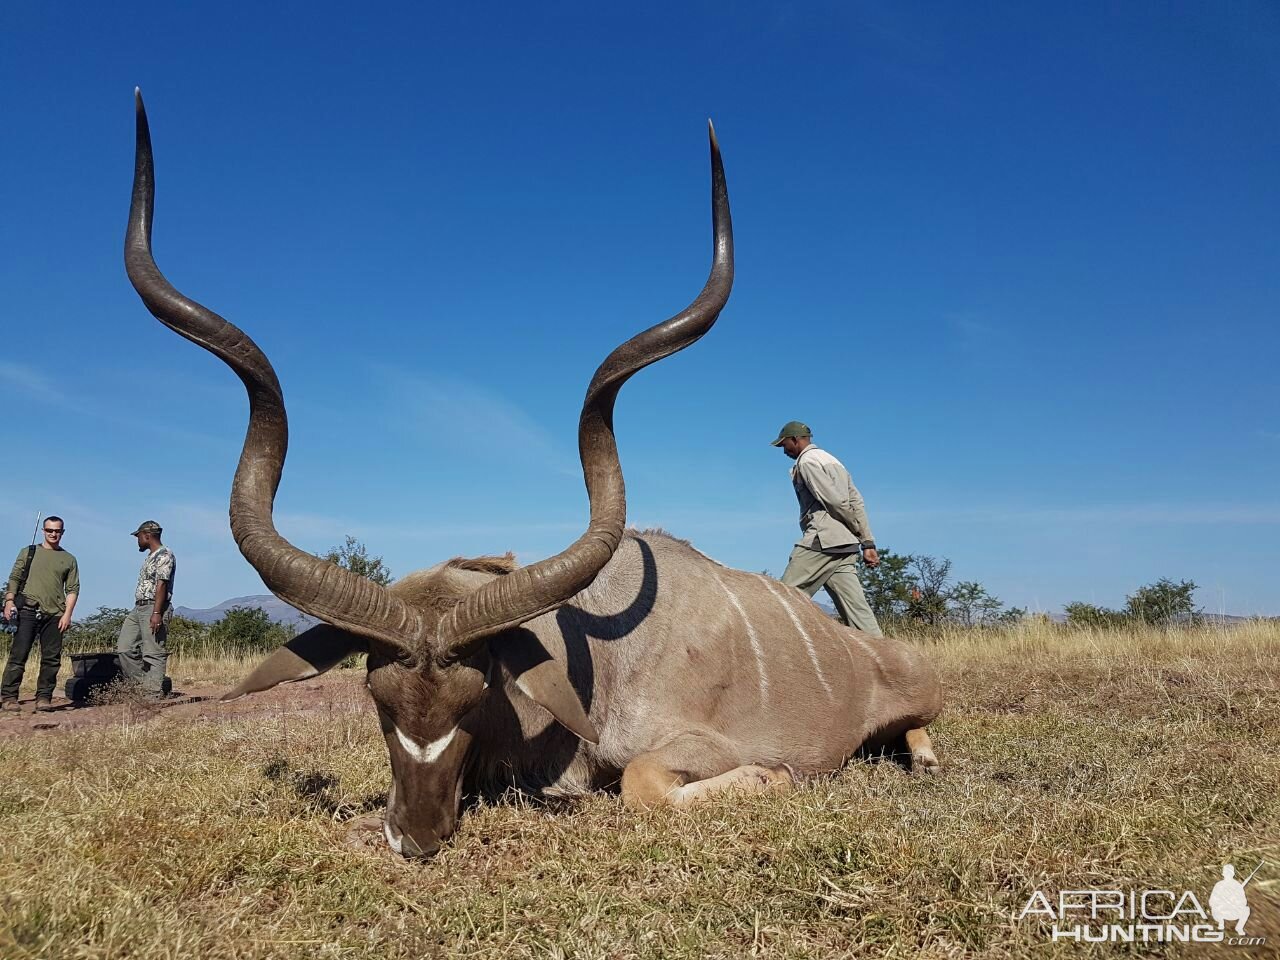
[(1007, 618), (353, 556), (1089, 615), (928, 602), (186, 636), (970, 605), (1158, 604), (918, 587), (1162, 602), (888, 586), (248, 629)]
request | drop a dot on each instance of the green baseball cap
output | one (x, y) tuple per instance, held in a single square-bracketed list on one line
[(793, 429), (146, 526)]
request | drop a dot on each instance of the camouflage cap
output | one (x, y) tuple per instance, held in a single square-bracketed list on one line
[(146, 526), (793, 429)]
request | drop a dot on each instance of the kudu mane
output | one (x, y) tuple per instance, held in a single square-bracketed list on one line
[(495, 565)]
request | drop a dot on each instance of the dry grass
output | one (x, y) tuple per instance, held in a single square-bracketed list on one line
[(1071, 760), (210, 667)]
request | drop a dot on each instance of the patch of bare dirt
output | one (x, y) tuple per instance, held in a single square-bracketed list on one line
[(193, 703)]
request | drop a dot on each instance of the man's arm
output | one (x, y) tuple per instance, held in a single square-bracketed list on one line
[(71, 588), (64, 621), (162, 598), (11, 589), (840, 498), (164, 577)]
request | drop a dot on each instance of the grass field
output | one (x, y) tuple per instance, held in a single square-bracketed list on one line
[(1072, 760)]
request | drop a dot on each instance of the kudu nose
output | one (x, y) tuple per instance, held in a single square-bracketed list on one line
[(410, 847)]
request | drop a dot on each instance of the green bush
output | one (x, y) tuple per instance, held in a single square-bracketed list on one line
[(240, 631), (248, 630), (1162, 602), (1157, 604), (1090, 615)]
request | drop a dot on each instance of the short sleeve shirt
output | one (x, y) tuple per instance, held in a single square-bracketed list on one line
[(160, 565)]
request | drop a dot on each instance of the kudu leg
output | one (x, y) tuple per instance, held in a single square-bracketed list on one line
[(923, 759), (695, 768)]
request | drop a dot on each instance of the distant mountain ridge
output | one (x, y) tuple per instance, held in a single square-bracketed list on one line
[(275, 608)]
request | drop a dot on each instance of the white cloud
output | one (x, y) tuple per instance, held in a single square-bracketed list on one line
[(38, 391), (31, 384)]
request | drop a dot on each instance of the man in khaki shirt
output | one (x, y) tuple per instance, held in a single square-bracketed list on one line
[(834, 528), (48, 597)]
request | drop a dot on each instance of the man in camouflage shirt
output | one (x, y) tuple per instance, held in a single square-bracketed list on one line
[(141, 647)]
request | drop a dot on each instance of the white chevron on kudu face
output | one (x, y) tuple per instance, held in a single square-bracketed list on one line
[(426, 752)]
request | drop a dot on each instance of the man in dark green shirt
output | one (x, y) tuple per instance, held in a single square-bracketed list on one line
[(48, 599)]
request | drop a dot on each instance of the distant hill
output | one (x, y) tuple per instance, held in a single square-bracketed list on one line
[(276, 609)]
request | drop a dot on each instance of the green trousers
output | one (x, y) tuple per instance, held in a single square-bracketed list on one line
[(838, 573), (142, 652)]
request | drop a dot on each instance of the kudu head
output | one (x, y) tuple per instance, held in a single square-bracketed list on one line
[(427, 637)]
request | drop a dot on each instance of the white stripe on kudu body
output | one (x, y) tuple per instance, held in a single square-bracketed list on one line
[(427, 752), (867, 648), (808, 641), (751, 636)]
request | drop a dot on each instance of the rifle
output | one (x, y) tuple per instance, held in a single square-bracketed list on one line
[(1251, 876)]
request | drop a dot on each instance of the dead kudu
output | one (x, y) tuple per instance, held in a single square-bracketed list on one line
[(629, 658)]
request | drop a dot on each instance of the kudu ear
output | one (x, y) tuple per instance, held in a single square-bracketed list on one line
[(309, 654), (543, 679)]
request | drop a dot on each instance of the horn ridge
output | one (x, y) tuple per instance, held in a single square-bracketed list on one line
[(309, 583)]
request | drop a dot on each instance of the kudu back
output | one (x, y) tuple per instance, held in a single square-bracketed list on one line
[(628, 659)]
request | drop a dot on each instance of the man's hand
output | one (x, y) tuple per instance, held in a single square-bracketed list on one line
[(10, 610), (871, 557), (156, 620), (64, 621)]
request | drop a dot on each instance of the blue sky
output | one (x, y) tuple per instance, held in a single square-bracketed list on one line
[(1015, 264)]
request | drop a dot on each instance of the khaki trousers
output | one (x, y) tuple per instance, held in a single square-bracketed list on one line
[(143, 655), (838, 573)]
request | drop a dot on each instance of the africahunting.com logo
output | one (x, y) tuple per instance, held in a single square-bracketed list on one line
[(1147, 916)]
